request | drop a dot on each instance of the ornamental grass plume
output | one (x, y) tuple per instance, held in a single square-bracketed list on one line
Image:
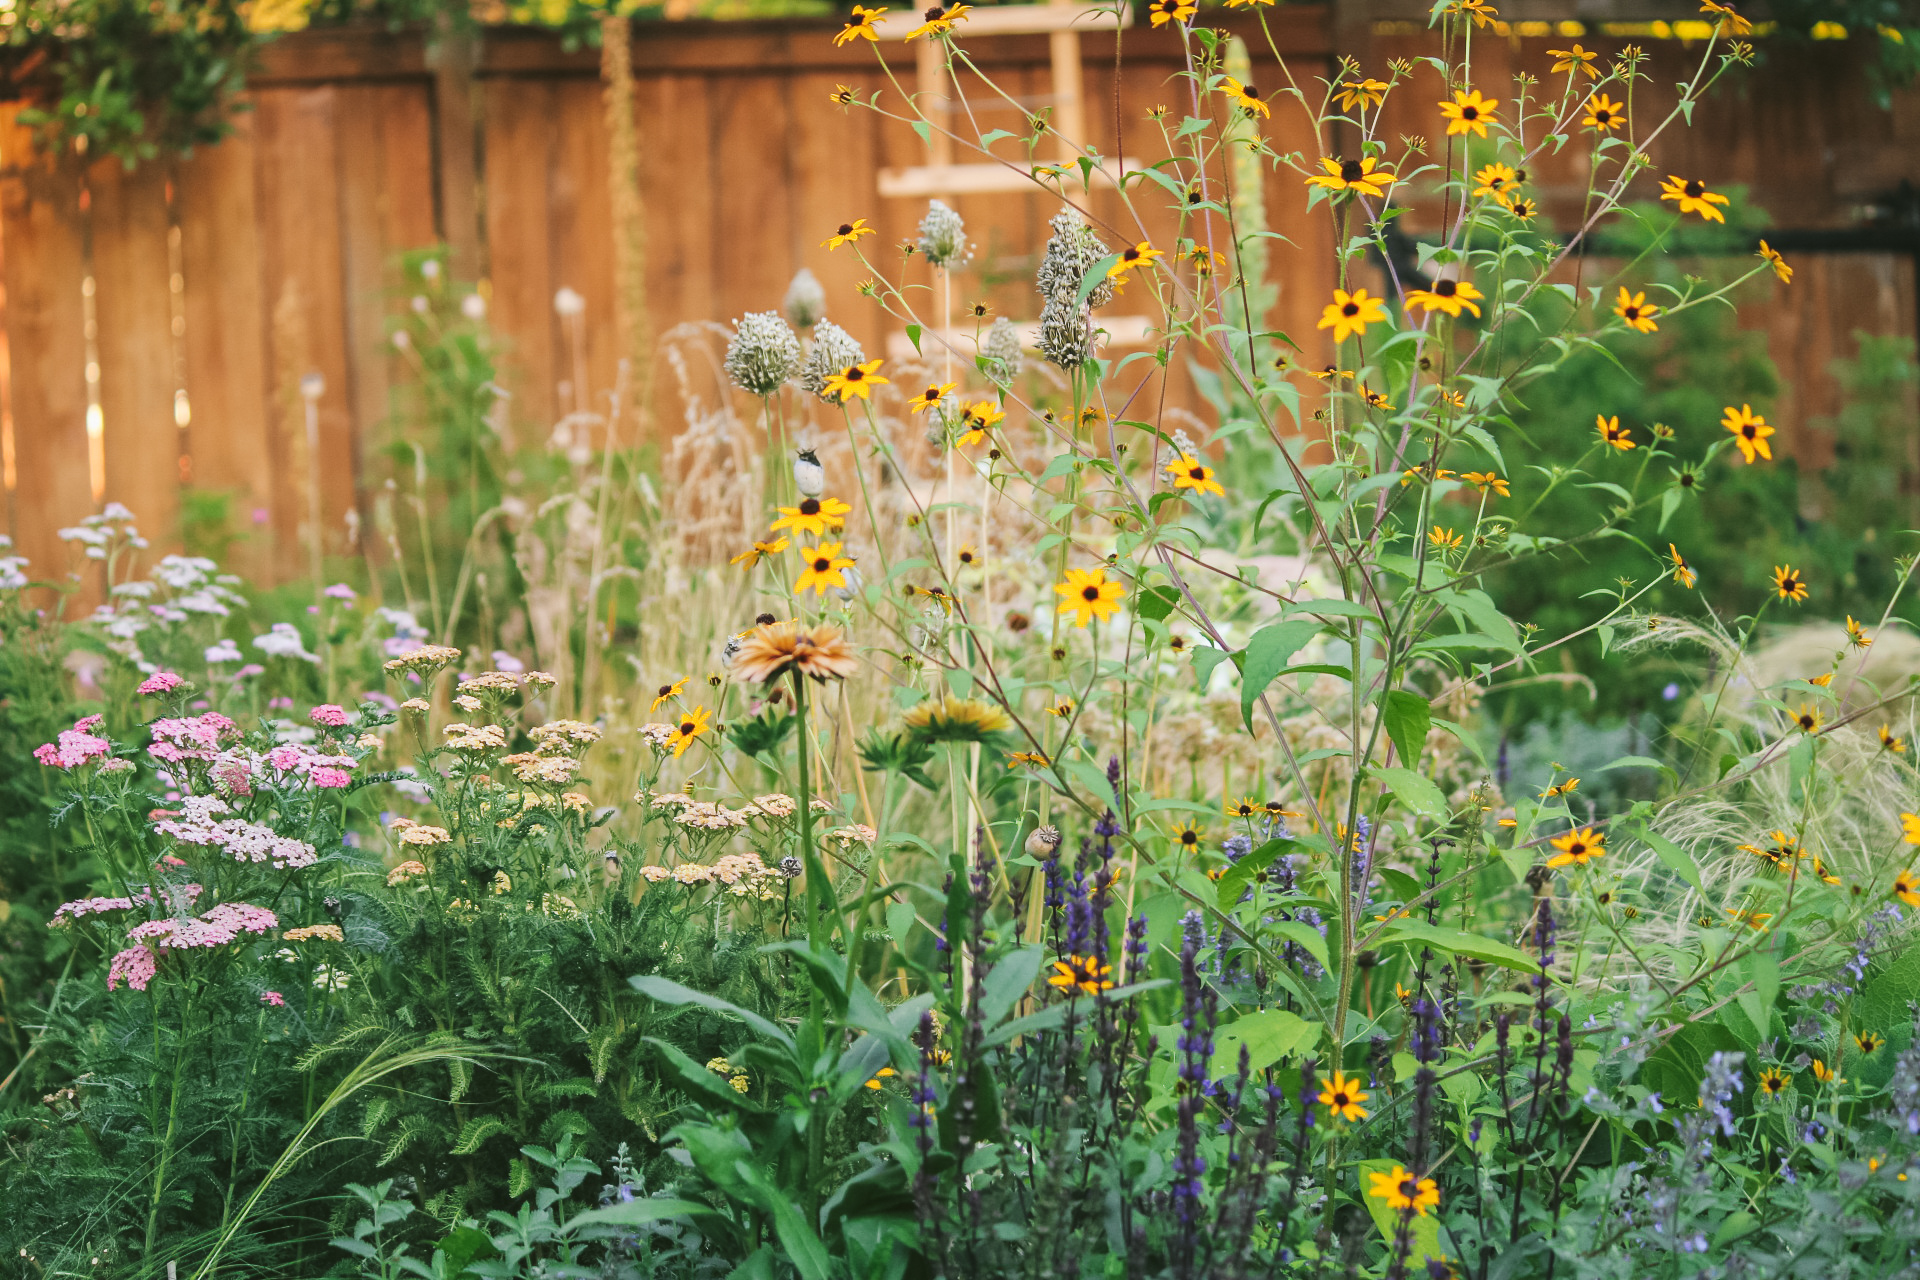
[(833, 352), (762, 354), (770, 651)]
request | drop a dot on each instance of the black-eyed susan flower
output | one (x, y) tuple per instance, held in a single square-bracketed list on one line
[(1857, 638), (1612, 433), (1331, 372), (1910, 828), (1363, 175), (1868, 1042), (1751, 919), (1061, 709), (1636, 311), (1692, 196), (751, 556), (1772, 1082), (1522, 209), (968, 555), (813, 518), (1906, 887), (1822, 874), (1191, 473), (842, 95), (1443, 539), (1479, 10), (1080, 975), (860, 26), (879, 1078), (1450, 296), (1187, 836), (1726, 19), (1494, 179), (1487, 482), (1822, 680), (821, 567), (1362, 93), (932, 396), (939, 20), (1165, 11), (1682, 571), (1131, 257), (981, 417), (1572, 60), (855, 380), (1245, 96), (1565, 787), (1750, 432), (667, 693), (1425, 471), (850, 231), (1821, 1071), (1781, 849), (1088, 596), (1604, 115), (686, 729), (1789, 583), (1205, 261), (1889, 741), (1349, 314), (1342, 1097), (1245, 807), (1402, 1191), (1779, 264), (1375, 399), (1241, 4), (1578, 847), (1469, 112), (1036, 759)]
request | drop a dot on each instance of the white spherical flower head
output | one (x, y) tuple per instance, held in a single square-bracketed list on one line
[(568, 303)]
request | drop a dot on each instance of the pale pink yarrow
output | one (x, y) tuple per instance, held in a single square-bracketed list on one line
[(67, 912), (75, 748), (329, 715), (329, 778), (273, 998), (287, 758), (223, 924), (134, 966), (160, 682), (87, 724)]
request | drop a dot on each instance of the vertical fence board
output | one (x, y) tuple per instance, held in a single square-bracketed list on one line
[(580, 247), (230, 434), (133, 309), (40, 218), (519, 131)]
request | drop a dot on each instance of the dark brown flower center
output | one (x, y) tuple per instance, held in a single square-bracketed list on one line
[(853, 374), (1196, 473), (1352, 171), (1446, 288), (1339, 1100), (810, 506), (1696, 189), (1601, 115), (687, 728), (935, 14), (1351, 309), (1130, 255), (933, 393), (1089, 593), (846, 228), (764, 620), (1747, 430), (1631, 313), (1469, 113), (666, 690), (822, 564)]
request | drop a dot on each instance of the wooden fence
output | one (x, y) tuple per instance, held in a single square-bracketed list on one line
[(158, 324)]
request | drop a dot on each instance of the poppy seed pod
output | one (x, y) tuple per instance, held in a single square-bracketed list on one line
[(762, 354)]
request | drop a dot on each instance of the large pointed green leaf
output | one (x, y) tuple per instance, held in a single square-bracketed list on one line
[(667, 991)]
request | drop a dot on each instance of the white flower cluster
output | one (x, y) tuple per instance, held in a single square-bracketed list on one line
[(199, 822), (762, 354)]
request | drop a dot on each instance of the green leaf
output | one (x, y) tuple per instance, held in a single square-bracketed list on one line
[(1678, 860), (698, 1082), (1269, 1035), (1407, 716), (1009, 979), (635, 1213), (666, 991), (1267, 653), (1155, 603), (1235, 879), (797, 1238), (1642, 762), (913, 336), (900, 922), (1763, 971), (1410, 789), (1205, 660), (1458, 942)]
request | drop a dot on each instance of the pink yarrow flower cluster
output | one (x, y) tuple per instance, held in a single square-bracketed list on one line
[(329, 716), (134, 966), (216, 928), (75, 746), (68, 912), (199, 822), (177, 738), (160, 682)]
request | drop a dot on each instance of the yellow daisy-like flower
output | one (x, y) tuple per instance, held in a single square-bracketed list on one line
[(1682, 571), (1750, 432), (813, 518), (967, 555), (1578, 847), (851, 231), (1727, 19), (1349, 314), (1692, 196), (1778, 263), (1241, 4), (860, 27), (1494, 179), (1522, 210), (1890, 742), (1469, 112), (1342, 1098), (842, 95), (940, 20), (1375, 399), (1789, 583), (1561, 789), (686, 729), (1132, 257), (1089, 596), (878, 1078), (1821, 1071), (930, 397), (1443, 539), (1037, 759), (1751, 919), (1165, 11), (1857, 638), (1245, 96), (856, 380), (751, 556), (822, 567), (1245, 807), (667, 693), (1808, 719), (1613, 433), (1363, 175), (1487, 481), (1191, 473), (1361, 93), (1401, 1190), (1910, 828), (1450, 296), (1080, 975), (1773, 1082), (1869, 1042), (1905, 887), (1636, 311), (1574, 59), (981, 416), (1061, 709), (1604, 115)]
